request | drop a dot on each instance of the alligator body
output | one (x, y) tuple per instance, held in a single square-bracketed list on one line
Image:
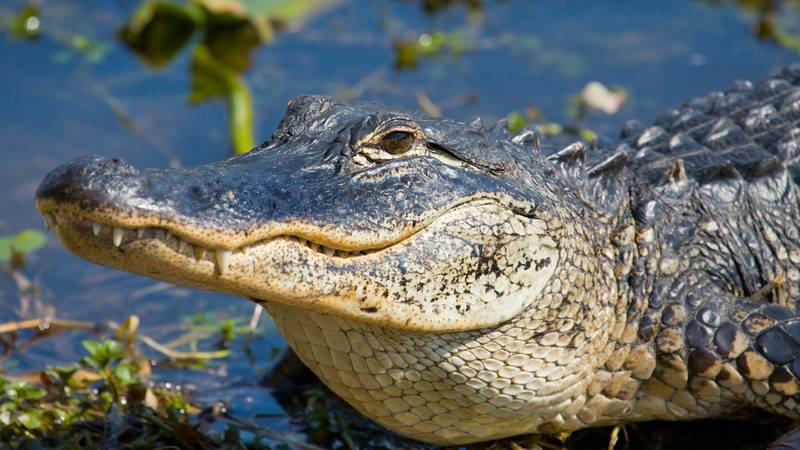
[(459, 284)]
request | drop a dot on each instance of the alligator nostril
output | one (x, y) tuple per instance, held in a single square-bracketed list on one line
[(196, 190), (115, 160)]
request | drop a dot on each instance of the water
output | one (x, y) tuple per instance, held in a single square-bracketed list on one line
[(55, 104)]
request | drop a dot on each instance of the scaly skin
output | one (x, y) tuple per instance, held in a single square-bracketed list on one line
[(458, 284)]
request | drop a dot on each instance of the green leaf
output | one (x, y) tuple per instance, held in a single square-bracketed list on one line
[(105, 399), (65, 373), (91, 363), (587, 135), (22, 391), (91, 346), (406, 54), (515, 122), (35, 393), (8, 406), (101, 354), (550, 129), (114, 350), (94, 51), (212, 78), (158, 30), (231, 41), (30, 419), (124, 373), (27, 241)]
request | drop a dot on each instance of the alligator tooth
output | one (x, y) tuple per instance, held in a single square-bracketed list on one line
[(293, 239), (140, 233), (314, 247), (342, 253), (118, 234), (199, 253), (223, 260), (328, 251), (96, 227), (49, 221), (182, 245), (167, 236)]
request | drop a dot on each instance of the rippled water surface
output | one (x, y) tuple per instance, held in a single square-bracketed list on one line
[(57, 103)]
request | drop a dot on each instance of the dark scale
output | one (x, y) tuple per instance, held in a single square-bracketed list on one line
[(776, 346)]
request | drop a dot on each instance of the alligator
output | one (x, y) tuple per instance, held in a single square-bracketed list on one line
[(459, 283)]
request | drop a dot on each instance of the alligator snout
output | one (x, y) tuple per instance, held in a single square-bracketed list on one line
[(89, 182), (112, 193), (111, 190)]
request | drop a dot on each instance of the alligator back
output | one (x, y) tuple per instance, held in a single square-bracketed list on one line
[(749, 130), (718, 174), (717, 178)]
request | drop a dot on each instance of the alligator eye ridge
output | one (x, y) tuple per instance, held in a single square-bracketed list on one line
[(397, 142)]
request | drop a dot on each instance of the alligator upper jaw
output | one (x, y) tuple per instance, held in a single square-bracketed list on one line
[(112, 243), (82, 232)]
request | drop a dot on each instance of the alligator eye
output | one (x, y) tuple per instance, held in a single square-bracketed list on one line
[(397, 142)]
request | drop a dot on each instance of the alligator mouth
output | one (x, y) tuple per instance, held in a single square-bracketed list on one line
[(383, 280), (120, 237)]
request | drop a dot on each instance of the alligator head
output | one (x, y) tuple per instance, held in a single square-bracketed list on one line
[(396, 222), (389, 218)]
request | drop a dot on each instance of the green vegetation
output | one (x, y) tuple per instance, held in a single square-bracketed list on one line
[(27, 25), (81, 406), (594, 97), (109, 397), (409, 52), (226, 34), (17, 246)]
